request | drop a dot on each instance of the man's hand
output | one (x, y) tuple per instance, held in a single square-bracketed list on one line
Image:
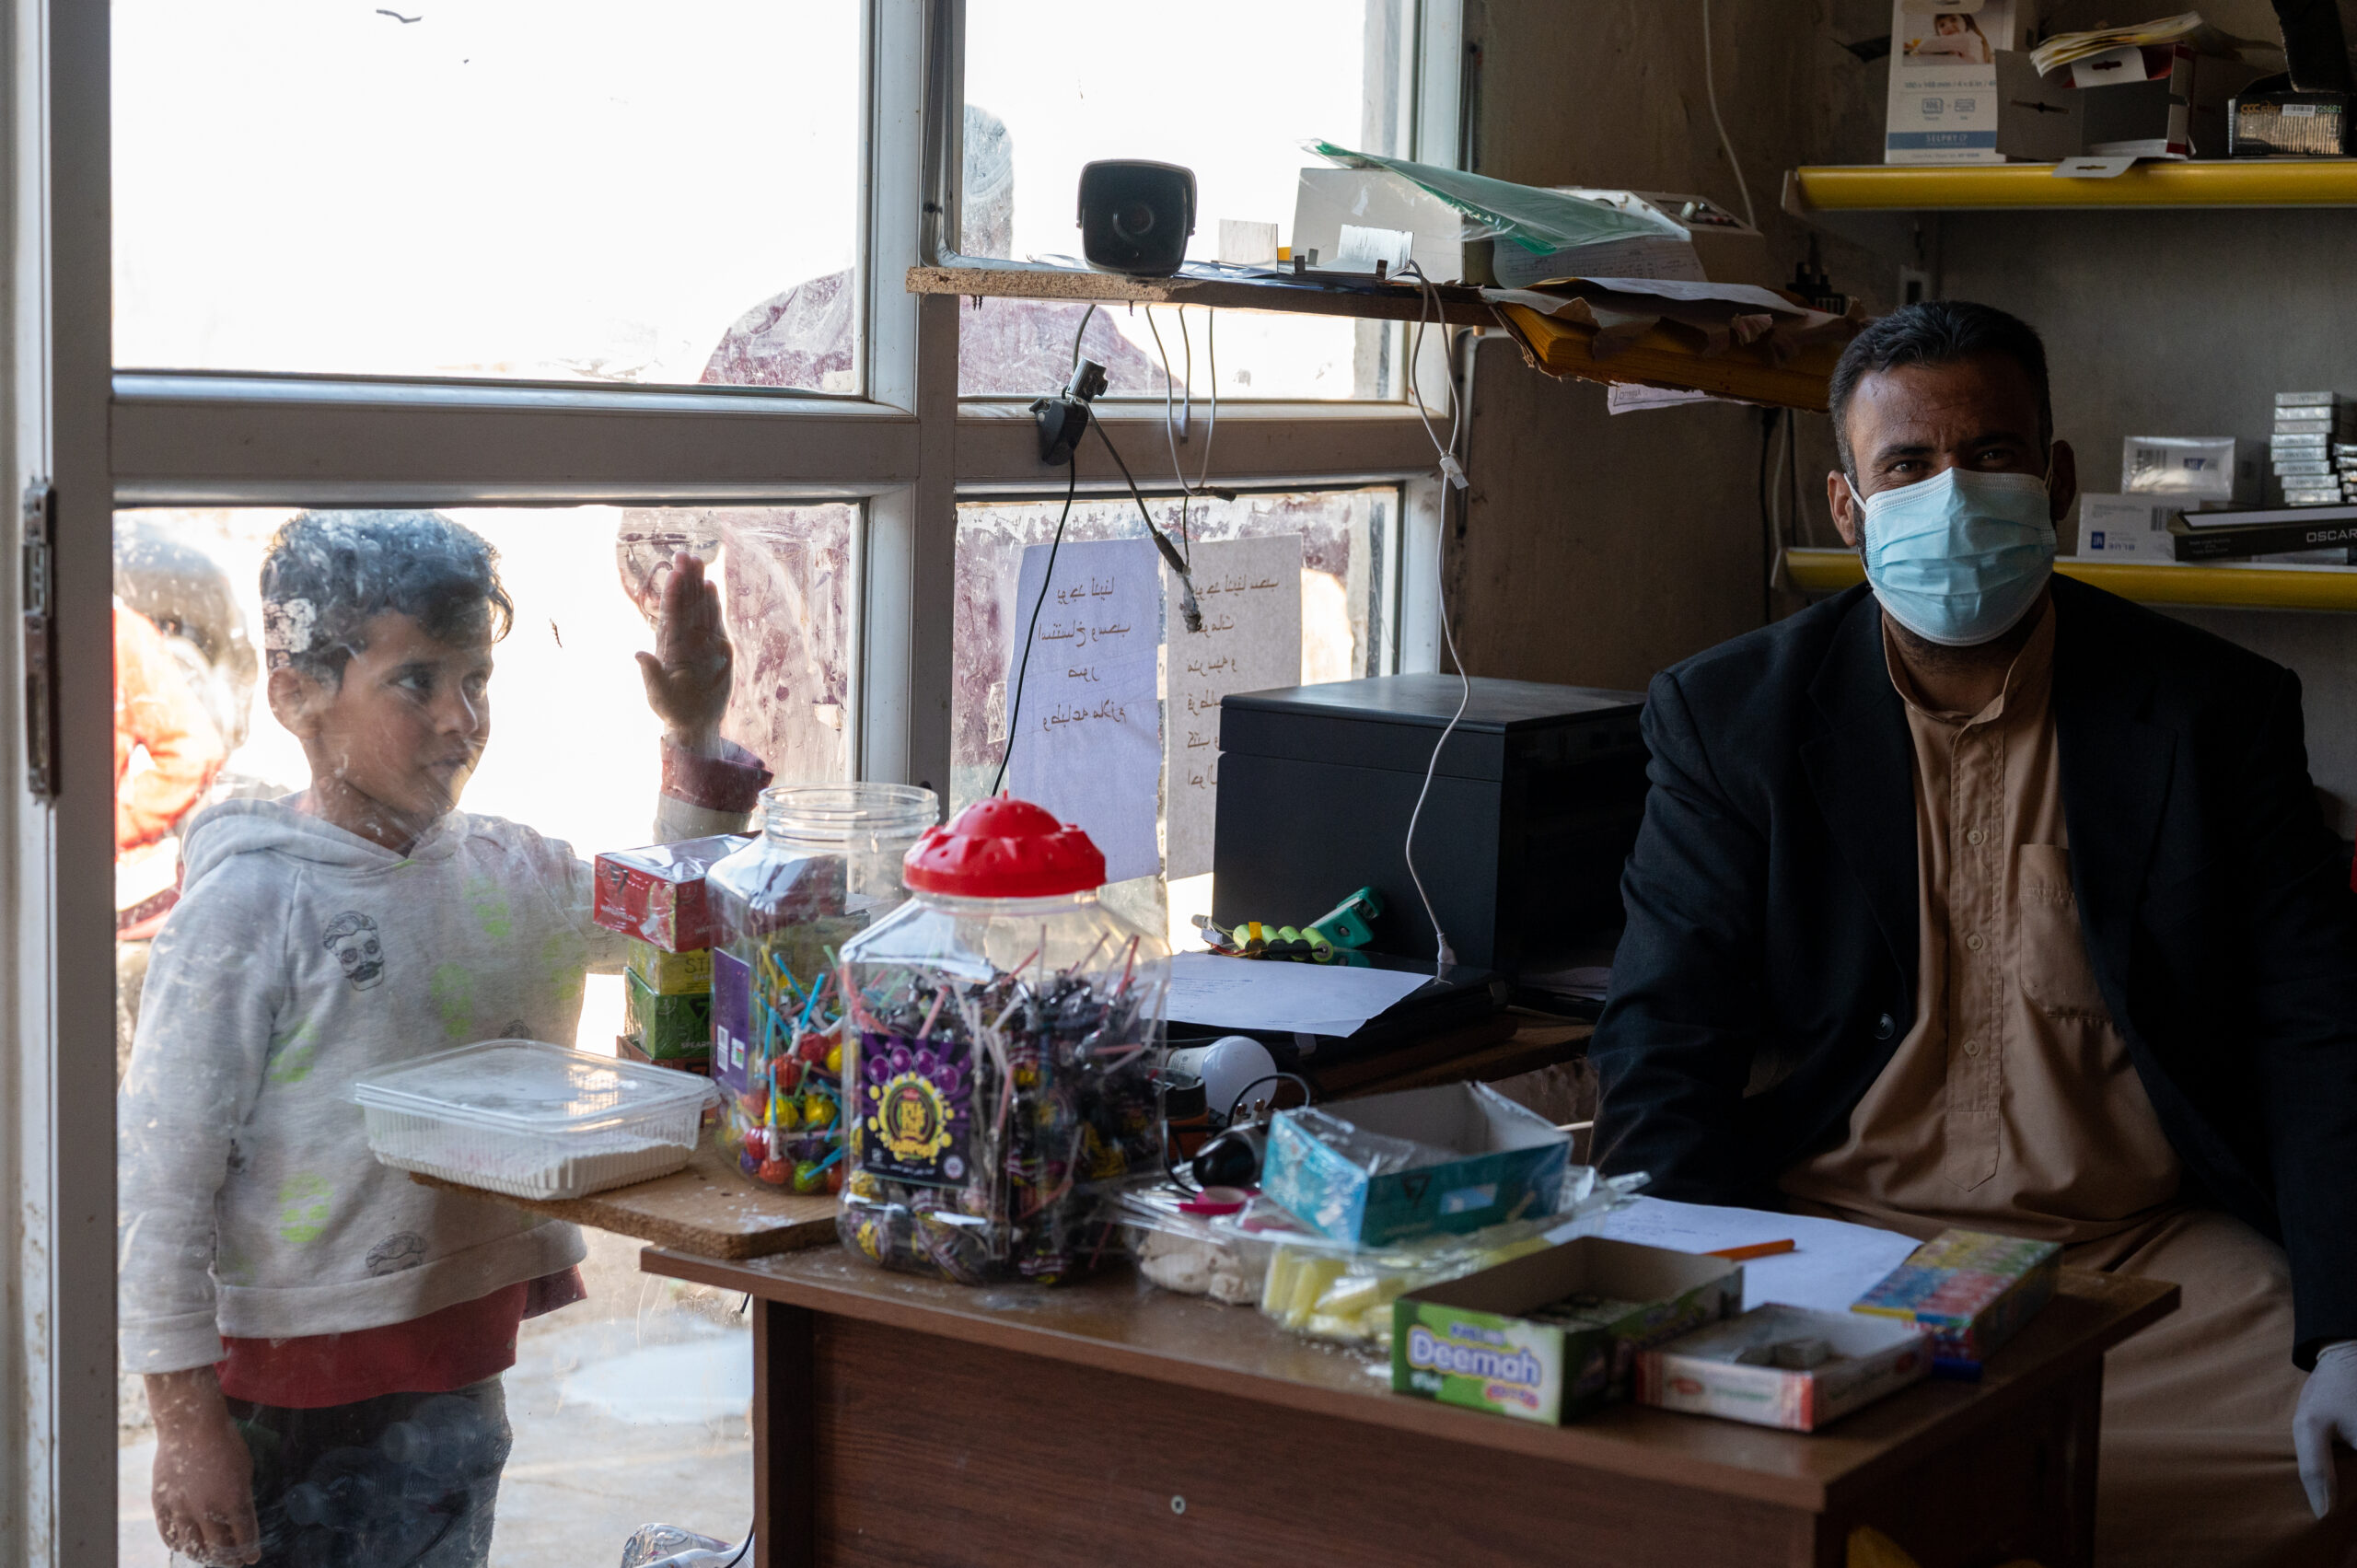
[(2328, 1410), (688, 674), (204, 1477)]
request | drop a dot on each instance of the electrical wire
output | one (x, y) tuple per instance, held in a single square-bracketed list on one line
[(742, 1550), (1452, 472), (1175, 434), (1179, 567), (1726, 145), (1047, 578)]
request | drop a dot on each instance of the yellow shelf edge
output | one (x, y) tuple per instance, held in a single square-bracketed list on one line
[(2235, 183), (2232, 585)]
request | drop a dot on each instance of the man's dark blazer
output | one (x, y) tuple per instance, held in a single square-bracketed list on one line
[(1773, 907)]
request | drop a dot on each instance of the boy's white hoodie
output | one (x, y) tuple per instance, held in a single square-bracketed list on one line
[(301, 957)]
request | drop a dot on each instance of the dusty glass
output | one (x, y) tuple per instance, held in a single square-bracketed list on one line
[(544, 190), (271, 950), (1228, 95)]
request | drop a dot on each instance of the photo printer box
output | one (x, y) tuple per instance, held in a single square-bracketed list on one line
[(1339, 1174), (1555, 1335), (1730, 1370), (1943, 102), (657, 894), (1971, 1290)]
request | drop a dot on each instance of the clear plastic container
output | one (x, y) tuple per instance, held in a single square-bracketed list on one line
[(531, 1119), (825, 867), (999, 1062)]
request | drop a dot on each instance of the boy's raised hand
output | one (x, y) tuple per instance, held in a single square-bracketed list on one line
[(688, 674)]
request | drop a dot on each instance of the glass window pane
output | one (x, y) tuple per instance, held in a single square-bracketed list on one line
[(1349, 537), (555, 189), (1042, 102), (271, 950)]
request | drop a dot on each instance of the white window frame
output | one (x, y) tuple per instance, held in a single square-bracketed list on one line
[(905, 448)]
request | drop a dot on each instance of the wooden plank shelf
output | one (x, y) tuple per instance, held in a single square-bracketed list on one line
[(1459, 306), (2232, 585), (705, 1208), (2197, 182)]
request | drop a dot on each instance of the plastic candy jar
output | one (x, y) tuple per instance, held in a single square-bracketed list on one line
[(825, 867), (997, 1065)]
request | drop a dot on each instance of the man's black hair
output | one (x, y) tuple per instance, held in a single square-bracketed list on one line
[(1937, 331), (327, 573)]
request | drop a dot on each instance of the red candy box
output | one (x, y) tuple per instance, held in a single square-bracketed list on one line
[(657, 894)]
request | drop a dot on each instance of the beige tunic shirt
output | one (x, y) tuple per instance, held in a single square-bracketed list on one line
[(2011, 1102)]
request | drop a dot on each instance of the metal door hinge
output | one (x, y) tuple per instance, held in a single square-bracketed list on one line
[(40, 638)]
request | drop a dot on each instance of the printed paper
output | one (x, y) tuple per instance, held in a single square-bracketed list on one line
[(1250, 591), (1087, 727)]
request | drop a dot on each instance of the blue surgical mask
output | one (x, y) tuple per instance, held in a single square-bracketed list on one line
[(1958, 558)]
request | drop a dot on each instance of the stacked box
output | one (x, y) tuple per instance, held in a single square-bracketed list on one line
[(657, 894), (1969, 1290), (2313, 448), (1557, 1334), (667, 1006), (666, 1028)]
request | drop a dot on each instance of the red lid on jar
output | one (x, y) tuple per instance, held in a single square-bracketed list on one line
[(1005, 847)]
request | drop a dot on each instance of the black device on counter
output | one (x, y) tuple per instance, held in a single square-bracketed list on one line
[(1136, 216), (1534, 807)]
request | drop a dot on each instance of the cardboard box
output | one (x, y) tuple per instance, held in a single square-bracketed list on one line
[(671, 974), (1473, 1342), (2190, 468), (1351, 215), (629, 1049), (1700, 1374), (1510, 1164), (2127, 528), (2155, 103), (667, 1027), (1971, 1290), (657, 894), (1942, 106), (1719, 247)]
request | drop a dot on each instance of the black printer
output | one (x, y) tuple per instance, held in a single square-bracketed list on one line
[(1534, 806)]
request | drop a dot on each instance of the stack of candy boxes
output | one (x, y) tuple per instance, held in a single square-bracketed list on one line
[(656, 896)]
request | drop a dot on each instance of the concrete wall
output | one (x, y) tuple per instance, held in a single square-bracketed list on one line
[(2188, 323), (1595, 549)]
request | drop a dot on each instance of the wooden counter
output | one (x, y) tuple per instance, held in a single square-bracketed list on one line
[(904, 1421)]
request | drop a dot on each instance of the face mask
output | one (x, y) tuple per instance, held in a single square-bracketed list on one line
[(1958, 558)]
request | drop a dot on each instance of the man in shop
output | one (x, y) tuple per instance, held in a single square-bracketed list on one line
[(1978, 896)]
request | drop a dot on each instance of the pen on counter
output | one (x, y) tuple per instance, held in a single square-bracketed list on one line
[(1756, 1249)]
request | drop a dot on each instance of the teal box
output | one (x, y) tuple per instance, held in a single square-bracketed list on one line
[(1503, 1340), (1373, 1170)]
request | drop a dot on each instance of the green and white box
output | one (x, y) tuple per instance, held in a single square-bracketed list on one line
[(1555, 1335)]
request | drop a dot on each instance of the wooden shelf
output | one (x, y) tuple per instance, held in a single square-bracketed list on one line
[(2222, 182), (1459, 306), (2227, 586)]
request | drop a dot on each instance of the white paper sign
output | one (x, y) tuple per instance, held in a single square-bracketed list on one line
[(1088, 732), (1250, 591)]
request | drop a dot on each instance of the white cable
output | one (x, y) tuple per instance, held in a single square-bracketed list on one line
[(1211, 432), (1711, 89), (1454, 471)]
